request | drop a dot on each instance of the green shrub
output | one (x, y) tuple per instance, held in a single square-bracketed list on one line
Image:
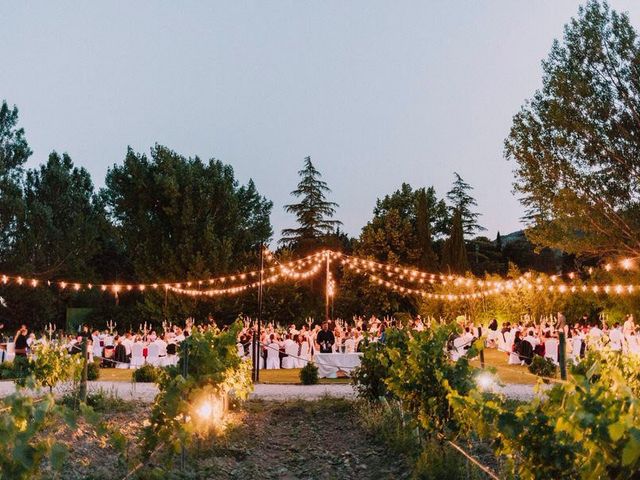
[(542, 367), (103, 401), (370, 377), (387, 423), (439, 461), (586, 427), (93, 371), (50, 365), (18, 368), (309, 374), (6, 371), (146, 374), (209, 369)]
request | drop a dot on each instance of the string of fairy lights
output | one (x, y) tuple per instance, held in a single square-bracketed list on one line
[(389, 276)]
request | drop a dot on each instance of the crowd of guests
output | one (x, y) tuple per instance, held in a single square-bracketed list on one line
[(521, 341), (292, 347), (111, 349)]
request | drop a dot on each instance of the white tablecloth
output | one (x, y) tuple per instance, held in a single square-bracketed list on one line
[(329, 363)]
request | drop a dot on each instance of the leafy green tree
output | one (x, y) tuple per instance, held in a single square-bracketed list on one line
[(181, 218), (14, 152), (460, 198), (454, 256), (314, 213), (63, 221), (576, 142), (59, 233), (396, 233)]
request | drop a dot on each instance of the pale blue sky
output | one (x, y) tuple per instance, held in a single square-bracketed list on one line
[(378, 93)]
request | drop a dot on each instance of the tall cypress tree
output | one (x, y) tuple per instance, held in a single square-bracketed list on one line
[(460, 198), (428, 258), (313, 213), (454, 256)]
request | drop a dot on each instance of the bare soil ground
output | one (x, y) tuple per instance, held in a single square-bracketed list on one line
[(291, 440)]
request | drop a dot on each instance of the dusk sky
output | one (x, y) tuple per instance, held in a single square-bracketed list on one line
[(377, 93)]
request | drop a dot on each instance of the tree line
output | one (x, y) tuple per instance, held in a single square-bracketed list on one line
[(163, 216)]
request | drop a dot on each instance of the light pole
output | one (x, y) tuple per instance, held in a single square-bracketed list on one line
[(257, 349), (327, 288)]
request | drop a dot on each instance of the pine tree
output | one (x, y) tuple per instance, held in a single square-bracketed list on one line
[(461, 200), (313, 214), (454, 256), (499, 242), (428, 258)]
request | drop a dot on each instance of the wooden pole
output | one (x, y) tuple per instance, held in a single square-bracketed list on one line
[(481, 351), (562, 355), (85, 372), (326, 290), (258, 354)]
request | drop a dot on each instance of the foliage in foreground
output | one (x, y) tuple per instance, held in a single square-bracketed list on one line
[(587, 428), (415, 370), (51, 364), (209, 368), (27, 450), (405, 383), (389, 424), (369, 378), (21, 454)]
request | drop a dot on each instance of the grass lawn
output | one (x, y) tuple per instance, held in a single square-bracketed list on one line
[(492, 358), (506, 373), (291, 376), (115, 375)]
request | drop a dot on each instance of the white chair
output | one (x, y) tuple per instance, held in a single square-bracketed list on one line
[(551, 349), (96, 349), (349, 345), (458, 348), (273, 356), (137, 359), (10, 354), (291, 349), (153, 354), (576, 346), (305, 355), (240, 349)]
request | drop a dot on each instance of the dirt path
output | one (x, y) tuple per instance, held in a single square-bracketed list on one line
[(304, 440)]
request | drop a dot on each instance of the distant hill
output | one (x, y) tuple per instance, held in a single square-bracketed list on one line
[(518, 235)]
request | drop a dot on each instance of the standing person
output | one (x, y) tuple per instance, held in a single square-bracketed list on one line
[(629, 325), (325, 339), (20, 341)]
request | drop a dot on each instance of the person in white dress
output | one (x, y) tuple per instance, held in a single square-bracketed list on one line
[(127, 341), (594, 336), (291, 350), (95, 341), (350, 344), (304, 351), (616, 338), (629, 325), (273, 353)]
